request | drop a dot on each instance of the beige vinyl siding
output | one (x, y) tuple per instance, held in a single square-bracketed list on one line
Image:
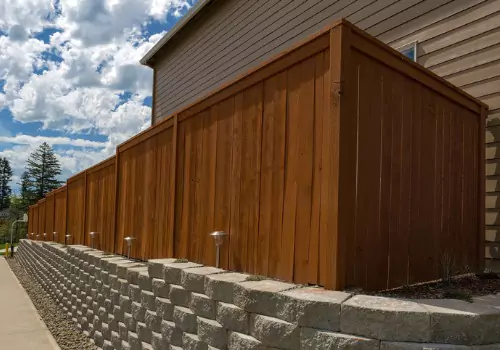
[(233, 36)]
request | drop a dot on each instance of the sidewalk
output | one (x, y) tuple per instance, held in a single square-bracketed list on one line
[(20, 325)]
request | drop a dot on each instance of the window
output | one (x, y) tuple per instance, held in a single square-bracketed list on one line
[(409, 51)]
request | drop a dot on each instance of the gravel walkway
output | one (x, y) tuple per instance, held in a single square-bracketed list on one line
[(64, 331)]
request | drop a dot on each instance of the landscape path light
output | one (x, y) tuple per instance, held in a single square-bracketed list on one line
[(45, 236), (24, 219), (92, 238), (54, 235), (218, 237), (129, 240), (67, 238)]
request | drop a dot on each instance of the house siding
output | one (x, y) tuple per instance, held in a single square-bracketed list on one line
[(457, 39)]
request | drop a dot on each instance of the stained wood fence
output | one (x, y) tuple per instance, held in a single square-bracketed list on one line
[(339, 163)]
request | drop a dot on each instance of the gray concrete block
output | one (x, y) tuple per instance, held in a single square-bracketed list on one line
[(193, 279), (133, 274), (172, 271), (153, 321), (123, 286), (98, 338), (164, 309), (143, 332), (144, 281), (158, 342), (275, 332), (323, 340), (311, 307), (238, 341), (192, 342), (108, 305), (219, 287), (130, 321), (134, 293), (171, 333), (138, 311), (123, 331), (118, 313), (202, 305), (115, 296), (103, 314), (385, 319), (134, 341), (185, 319), (105, 331), (459, 322), (115, 340), (179, 296), (160, 288), (212, 333), (261, 297), (113, 283), (155, 267), (385, 345), (125, 303), (148, 300), (232, 317), (122, 269)]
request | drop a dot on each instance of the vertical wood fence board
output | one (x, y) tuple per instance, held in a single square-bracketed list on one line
[(76, 208), (49, 215), (60, 213)]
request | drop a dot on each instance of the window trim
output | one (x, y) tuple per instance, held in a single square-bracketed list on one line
[(412, 45)]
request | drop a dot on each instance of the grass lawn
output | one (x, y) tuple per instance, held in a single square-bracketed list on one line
[(2, 246)]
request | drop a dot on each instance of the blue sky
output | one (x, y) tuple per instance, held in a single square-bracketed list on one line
[(70, 75)]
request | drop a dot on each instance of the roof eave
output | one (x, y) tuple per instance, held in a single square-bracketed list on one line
[(171, 33)]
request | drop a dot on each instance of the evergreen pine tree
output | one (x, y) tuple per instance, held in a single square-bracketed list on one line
[(43, 169), (5, 178), (27, 195)]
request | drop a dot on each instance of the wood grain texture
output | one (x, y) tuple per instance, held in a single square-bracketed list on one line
[(339, 164), (60, 207)]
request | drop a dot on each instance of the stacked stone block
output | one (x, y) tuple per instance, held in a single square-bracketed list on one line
[(166, 304)]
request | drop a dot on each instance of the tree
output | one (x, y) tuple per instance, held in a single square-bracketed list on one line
[(5, 178), (43, 169), (27, 193)]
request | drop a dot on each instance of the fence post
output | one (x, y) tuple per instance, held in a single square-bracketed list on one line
[(173, 173)]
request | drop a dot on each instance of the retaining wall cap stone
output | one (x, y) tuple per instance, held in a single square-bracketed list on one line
[(453, 306), (488, 300), (386, 345), (267, 286), (234, 277), (385, 319), (318, 294)]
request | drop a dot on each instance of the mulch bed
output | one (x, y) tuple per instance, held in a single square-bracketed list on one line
[(463, 287)]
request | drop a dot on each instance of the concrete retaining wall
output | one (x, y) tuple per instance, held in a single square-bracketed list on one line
[(165, 304)]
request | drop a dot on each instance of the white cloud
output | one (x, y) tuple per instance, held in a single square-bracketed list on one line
[(30, 15), (75, 82), (37, 140)]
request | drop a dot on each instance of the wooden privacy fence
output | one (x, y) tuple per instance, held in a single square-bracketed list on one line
[(339, 163)]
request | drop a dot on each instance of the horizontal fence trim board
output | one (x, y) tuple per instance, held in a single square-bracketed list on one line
[(146, 134), (396, 61), (99, 166)]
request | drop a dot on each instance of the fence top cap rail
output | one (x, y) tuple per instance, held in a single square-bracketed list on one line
[(77, 176), (409, 61), (102, 164)]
